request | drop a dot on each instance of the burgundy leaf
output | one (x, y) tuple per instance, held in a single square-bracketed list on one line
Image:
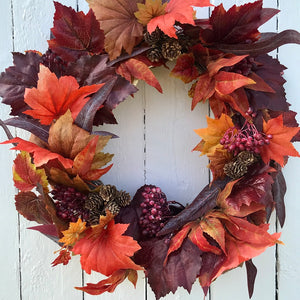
[(181, 269), (255, 188), (251, 275), (270, 70), (24, 74), (75, 34), (205, 201), (278, 191), (49, 230), (104, 116), (237, 25)]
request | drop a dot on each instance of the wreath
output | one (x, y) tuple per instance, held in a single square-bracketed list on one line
[(90, 67)]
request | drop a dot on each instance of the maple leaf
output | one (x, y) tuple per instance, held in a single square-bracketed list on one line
[(110, 284), (213, 133), (280, 143), (271, 71), (88, 162), (185, 68), (26, 176), (167, 278), (75, 34), (237, 25), (53, 96), (32, 207), (245, 241), (176, 10), (149, 10), (63, 258), (134, 68), (41, 156), (105, 249), (24, 74), (73, 233), (122, 29)]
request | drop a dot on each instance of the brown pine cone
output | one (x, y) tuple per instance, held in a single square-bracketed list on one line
[(154, 54), (171, 49), (154, 37)]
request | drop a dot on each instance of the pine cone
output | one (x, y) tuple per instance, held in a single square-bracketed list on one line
[(171, 49), (235, 169), (154, 54), (123, 199), (108, 193), (247, 157), (113, 207), (154, 37)]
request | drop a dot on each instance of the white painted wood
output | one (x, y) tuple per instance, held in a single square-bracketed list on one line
[(289, 262), (167, 162), (9, 253)]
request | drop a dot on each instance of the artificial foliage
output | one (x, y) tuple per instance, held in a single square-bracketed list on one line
[(91, 66)]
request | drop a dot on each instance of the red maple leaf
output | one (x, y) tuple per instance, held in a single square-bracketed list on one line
[(53, 96), (63, 258), (176, 10), (280, 141), (110, 284), (105, 249), (134, 68), (26, 176), (75, 33)]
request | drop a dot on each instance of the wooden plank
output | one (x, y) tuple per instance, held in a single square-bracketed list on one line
[(33, 20), (289, 263), (9, 252)]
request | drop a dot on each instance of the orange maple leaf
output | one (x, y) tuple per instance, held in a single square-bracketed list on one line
[(149, 10), (53, 96), (245, 241), (280, 141), (213, 133), (105, 249), (134, 68), (110, 284), (72, 234), (176, 10), (122, 29)]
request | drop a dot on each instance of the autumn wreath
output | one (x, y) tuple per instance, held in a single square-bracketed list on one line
[(90, 67)]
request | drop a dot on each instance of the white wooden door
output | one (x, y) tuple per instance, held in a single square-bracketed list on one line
[(156, 132)]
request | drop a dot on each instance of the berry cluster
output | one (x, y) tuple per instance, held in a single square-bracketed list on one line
[(154, 209), (69, 203), (247, 138), (244, 67)]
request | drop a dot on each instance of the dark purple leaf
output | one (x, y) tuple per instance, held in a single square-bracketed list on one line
[(204, 202), (181, 269), (270, 70), (30, 125), (211, 264), (7, 131), (251, 275), (24, 74), (105, 133), (278, 191), (86, 116), (266, 44), (104, 116)]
